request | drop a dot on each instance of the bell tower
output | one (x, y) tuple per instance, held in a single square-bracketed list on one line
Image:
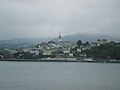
[(59, 38)]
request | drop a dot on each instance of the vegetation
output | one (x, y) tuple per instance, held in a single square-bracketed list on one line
[(105, 51)]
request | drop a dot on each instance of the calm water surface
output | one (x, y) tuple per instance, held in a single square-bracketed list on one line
[(59, 76)]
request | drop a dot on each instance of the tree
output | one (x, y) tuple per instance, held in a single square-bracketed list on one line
[(79, 43), (86, 44)]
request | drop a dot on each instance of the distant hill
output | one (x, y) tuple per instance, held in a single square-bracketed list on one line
[(21, 42), (73, 37), (24, 40), (89, 37)]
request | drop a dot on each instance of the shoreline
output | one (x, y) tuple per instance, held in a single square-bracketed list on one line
[(38, 60)]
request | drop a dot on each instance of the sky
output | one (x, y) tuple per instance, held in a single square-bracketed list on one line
[(46, 18)]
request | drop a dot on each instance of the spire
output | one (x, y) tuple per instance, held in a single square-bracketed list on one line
[(59, 35)]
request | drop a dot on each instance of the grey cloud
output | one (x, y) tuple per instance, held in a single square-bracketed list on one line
[(45, 18)]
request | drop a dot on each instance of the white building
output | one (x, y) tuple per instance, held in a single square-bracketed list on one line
[(59, 38), (36, 52)]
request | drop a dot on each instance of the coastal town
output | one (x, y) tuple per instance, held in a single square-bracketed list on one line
[(60, 50)]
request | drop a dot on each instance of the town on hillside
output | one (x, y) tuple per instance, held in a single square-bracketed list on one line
[(99, 51)]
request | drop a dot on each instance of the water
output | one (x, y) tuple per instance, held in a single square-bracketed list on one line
[(59, 76)]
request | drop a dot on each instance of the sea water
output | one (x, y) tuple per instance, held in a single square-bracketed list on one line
[(59, 76)]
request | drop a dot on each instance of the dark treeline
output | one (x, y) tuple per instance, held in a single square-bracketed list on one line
[(105, 51)]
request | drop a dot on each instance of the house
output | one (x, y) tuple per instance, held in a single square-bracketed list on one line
[(52, 44), (58, 53), (10, 51), (43, 45), (88, 47), (48, 51), (79, 50), (35, 52), (71, 54), (92, 44)]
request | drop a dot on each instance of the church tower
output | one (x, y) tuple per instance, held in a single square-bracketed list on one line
[(59, 38)]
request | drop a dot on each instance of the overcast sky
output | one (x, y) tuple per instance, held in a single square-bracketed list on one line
[(46, 18)]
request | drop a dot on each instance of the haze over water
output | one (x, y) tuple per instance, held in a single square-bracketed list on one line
[(59, 76)]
